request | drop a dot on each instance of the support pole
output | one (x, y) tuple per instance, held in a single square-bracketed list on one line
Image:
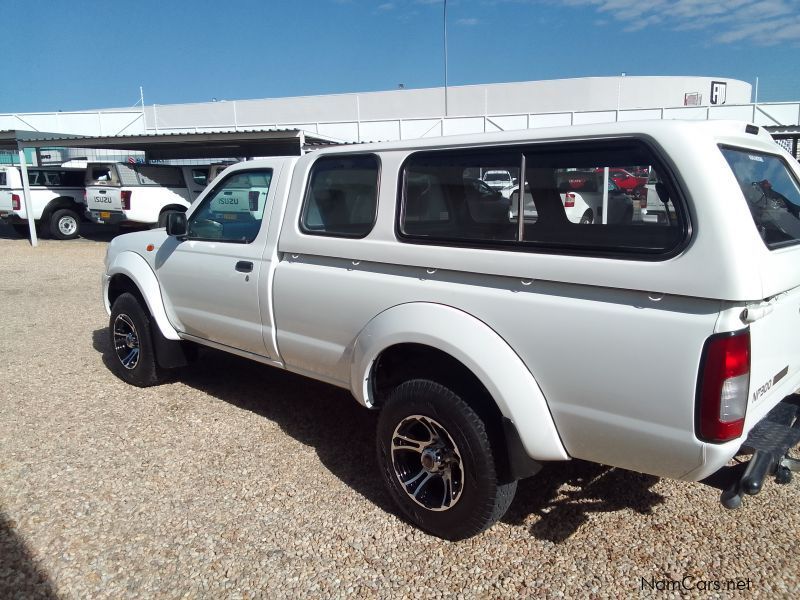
[(26, 195)]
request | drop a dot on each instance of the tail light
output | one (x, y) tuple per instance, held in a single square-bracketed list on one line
[(15, 203), (569, 200), (85, 197), (643, 201), (252, 198), (723, 387), (126, 199)]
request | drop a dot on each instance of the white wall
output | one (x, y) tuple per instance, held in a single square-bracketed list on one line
[(408, 114)]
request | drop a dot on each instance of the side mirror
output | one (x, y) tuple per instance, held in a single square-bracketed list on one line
[(176, 224)]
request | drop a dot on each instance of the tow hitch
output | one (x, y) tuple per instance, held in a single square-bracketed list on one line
[(770, 440)]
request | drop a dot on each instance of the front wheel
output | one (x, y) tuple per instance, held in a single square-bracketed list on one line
[(436, 460), (134, 359), (64, 224)]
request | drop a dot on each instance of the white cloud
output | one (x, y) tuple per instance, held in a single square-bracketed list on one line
[(467, 22), (759, 22), (386, 6)]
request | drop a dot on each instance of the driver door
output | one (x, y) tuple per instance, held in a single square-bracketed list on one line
[(215, 279)]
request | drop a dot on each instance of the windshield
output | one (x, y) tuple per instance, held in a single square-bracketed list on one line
[(497, 176), (772, 194)]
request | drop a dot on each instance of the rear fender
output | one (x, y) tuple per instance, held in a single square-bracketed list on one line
[(137, 270), (476, 346), (63, 202)]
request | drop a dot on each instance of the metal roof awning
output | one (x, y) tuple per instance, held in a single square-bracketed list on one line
[(12, 139), (166, 146)]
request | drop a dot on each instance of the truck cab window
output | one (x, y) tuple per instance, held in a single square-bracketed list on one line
[(342, 197), (234, 210)]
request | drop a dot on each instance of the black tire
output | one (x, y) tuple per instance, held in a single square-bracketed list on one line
[(22, 231), (132, 355), (459, 452), (588, 217), (65, 224)]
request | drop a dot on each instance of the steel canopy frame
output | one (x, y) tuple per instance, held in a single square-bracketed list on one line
[(200, 144), (168, 146)]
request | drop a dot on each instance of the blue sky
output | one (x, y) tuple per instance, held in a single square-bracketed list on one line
[(86, 54)]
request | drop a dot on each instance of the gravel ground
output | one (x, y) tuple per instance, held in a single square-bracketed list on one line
[(243, 481)]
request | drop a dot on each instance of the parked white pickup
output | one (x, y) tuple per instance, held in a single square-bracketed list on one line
[(119, 193), (57, 202), (492, 344)]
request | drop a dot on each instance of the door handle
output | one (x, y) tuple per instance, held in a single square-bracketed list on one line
[(102, 191), (244, 266)]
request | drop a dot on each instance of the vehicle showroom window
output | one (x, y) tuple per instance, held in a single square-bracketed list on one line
[(234, 210), (464, 197), (342, 196)]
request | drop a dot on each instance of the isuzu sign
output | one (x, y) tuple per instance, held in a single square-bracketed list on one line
[(718, 92)]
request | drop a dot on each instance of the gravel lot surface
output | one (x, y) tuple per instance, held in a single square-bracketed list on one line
[(238, 480)]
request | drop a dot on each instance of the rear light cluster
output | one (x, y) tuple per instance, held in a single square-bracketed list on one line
[(723, 387), (252, 198), (569, 200), (15, 202), (126, 199), (643, 201)]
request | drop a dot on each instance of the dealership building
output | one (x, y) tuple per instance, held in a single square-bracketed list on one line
[(422, 113)]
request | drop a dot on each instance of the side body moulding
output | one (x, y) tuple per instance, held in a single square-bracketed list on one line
[(477, 347), (136, 268)]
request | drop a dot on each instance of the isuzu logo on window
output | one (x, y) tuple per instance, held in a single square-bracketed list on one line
[(718, 92)]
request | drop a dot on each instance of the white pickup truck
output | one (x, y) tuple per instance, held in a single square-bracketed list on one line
[(492, 345), (57, 201), (138, 194)]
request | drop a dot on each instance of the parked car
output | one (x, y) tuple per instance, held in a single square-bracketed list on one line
[(120, 193), (490, 346), (57, 200), (499, 180), (627, 181)]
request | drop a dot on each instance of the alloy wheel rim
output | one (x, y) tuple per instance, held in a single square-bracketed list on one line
[(427, 463), (126, 342)]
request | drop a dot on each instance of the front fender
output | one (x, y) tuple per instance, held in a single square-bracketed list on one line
[(476, 346), (136, 268)]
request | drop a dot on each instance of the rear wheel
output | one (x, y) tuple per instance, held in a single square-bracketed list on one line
[(436, 460), (134, 358), (64, 224)]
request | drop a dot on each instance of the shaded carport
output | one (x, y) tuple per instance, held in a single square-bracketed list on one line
[(169, 146)]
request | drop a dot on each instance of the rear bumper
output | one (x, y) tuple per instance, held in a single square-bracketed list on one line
[(106, 217), (12, 218), (769, 442)]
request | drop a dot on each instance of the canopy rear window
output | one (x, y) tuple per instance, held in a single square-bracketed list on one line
[(772, 194)]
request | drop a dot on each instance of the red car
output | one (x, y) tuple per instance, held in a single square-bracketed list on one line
[(626, 180)]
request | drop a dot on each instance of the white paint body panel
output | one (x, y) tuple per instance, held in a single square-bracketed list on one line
[(129, 263)]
